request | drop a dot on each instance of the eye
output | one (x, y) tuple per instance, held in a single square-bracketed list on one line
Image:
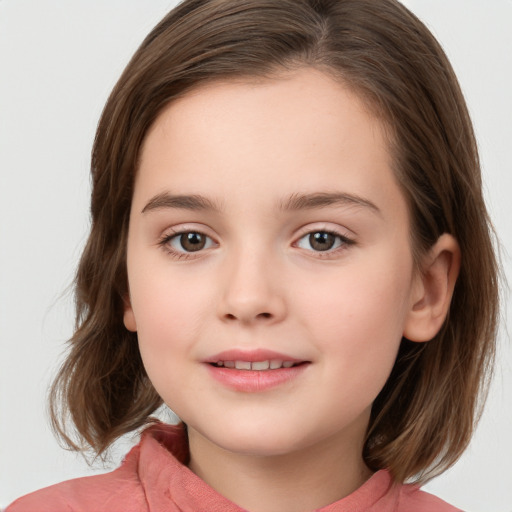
[(322, 241), (189, 241)]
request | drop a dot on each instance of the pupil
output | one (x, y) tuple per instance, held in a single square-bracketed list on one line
[(192, 241), (321, 241)]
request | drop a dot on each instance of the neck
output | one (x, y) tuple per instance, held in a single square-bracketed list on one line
[(296, 482)]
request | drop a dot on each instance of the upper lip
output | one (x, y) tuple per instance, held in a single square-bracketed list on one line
[(252, 356)]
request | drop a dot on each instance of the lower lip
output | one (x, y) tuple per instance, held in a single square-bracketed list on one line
[(254, 381)]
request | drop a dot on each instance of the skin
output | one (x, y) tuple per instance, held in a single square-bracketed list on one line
[(258, 283)]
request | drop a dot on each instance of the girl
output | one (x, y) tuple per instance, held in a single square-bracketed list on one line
[(290, 249)]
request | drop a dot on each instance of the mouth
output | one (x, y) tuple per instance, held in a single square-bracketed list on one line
[(268, 364), (255, 371)]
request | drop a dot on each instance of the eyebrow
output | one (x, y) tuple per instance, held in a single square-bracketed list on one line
[(183, 202), (324, 199), (293, 203)]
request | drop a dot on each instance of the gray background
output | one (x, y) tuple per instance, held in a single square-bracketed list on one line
[(58, 62)]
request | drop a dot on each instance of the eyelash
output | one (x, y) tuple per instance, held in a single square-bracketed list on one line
[(342, 240), (166, 239)]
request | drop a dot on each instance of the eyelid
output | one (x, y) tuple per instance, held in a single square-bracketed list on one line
[(328, 227), (187, 227)]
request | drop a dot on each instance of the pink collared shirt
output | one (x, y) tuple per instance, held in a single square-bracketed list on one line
[(154, 478)]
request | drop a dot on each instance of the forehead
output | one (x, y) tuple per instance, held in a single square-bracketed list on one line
[(299, 130), (283, 90)]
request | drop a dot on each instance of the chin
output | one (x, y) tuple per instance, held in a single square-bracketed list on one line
[(260, 439)]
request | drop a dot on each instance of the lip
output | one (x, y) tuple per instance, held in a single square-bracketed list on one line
[(251, 355), (254, 381)]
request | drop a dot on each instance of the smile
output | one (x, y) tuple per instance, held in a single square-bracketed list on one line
[(269, 364), (255, 371)]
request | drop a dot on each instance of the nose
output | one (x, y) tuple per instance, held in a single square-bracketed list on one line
[(253, 290)]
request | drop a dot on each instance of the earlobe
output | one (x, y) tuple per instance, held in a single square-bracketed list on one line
[(432, 293), (128, 316)]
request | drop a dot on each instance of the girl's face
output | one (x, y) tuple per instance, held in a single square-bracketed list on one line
[(269, 263)]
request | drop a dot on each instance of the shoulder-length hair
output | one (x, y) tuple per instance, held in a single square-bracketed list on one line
[(424, 417)]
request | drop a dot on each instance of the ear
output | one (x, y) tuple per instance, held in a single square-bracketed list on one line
[(128, 316), (433, 290)]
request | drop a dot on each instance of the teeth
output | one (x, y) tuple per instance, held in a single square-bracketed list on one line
[(273, 364), (260, 365)]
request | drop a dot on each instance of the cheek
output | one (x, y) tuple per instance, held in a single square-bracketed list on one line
[(168, 311), (357, 319), (358, 302)]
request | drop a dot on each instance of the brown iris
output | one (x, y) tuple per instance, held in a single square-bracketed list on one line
[(192, 241), (322, 241)]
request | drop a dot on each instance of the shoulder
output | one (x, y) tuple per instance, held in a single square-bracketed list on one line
[(119, 490), (412, 499), (381, 494)]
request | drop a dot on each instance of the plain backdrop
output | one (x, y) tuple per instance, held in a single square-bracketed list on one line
[(58, 62)]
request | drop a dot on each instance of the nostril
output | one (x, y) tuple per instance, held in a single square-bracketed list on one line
[(248, 318)]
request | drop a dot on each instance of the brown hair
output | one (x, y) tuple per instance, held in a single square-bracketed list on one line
[(425, 415)]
